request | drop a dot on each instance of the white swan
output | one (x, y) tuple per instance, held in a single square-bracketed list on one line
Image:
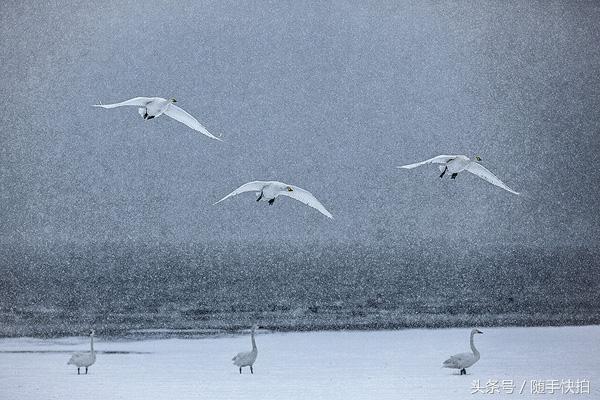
[(270, 190), (464, 360), (247, 358), (84, 359), (459, 163), (151, 107)]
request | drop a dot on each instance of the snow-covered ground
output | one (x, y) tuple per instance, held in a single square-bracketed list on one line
[(401, 364)]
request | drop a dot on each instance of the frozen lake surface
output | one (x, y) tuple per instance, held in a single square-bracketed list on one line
[(309, 365)]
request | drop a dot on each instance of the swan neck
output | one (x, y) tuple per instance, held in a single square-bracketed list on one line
[(253, 341), (475, 351)]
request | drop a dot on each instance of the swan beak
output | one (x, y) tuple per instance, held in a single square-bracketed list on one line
[(478, 331), (289, 189), (478, 158)]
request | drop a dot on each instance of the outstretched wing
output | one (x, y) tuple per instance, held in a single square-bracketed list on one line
[(182, 116), (485, 174), (137, 101), (307, 198), (435, 160), (255, 186)]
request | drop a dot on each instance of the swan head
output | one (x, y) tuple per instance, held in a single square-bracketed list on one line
[(477, 158), (289, 189), (254, 327), (172, 100), (474, 331)]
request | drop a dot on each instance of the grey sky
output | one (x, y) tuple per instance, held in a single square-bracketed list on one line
[(329, 97)]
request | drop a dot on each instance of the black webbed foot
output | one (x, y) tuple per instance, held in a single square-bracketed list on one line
[(271, 202), (444, 172), (454, 176)]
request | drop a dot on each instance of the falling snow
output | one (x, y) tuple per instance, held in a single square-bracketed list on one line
[(107, 220)]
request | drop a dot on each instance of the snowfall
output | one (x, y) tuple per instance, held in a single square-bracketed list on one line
[(524, 363)]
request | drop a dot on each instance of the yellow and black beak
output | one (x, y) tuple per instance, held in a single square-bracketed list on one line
[(289, 189)]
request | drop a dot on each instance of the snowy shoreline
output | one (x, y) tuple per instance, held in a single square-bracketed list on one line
[(47, 327), (318, 365)]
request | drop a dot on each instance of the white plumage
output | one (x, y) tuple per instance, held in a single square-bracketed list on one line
[(270, 190), (247, 358), (151, 107), (454, 164), (464, 360), (87, 359)]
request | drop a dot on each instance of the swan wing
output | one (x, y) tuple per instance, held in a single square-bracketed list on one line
[(461, 360), (306, 197), (136, 101), (241, 358), (82, 359), (486, 175), (75, 358), (255, 186), (182, 116), (435, 160)]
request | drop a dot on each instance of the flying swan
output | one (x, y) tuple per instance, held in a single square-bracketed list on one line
[(464, 360), (151, 107), (247, 358), (270, 190), (86, 360), (456, 164)]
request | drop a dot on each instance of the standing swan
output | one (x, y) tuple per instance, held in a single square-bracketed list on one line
[(247, 358), (464, 360), (84, 359)]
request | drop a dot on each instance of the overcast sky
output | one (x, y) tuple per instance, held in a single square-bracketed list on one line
[(330, 97)]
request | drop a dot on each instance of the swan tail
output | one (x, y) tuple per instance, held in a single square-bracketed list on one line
[(449, 363)]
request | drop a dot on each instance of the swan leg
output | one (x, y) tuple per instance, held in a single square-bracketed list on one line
[(251, 370), (77, 370), (454, 176), (444, 172), (240, 370), (86, 370), (145, 115), (271, 202), (260, 197)]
